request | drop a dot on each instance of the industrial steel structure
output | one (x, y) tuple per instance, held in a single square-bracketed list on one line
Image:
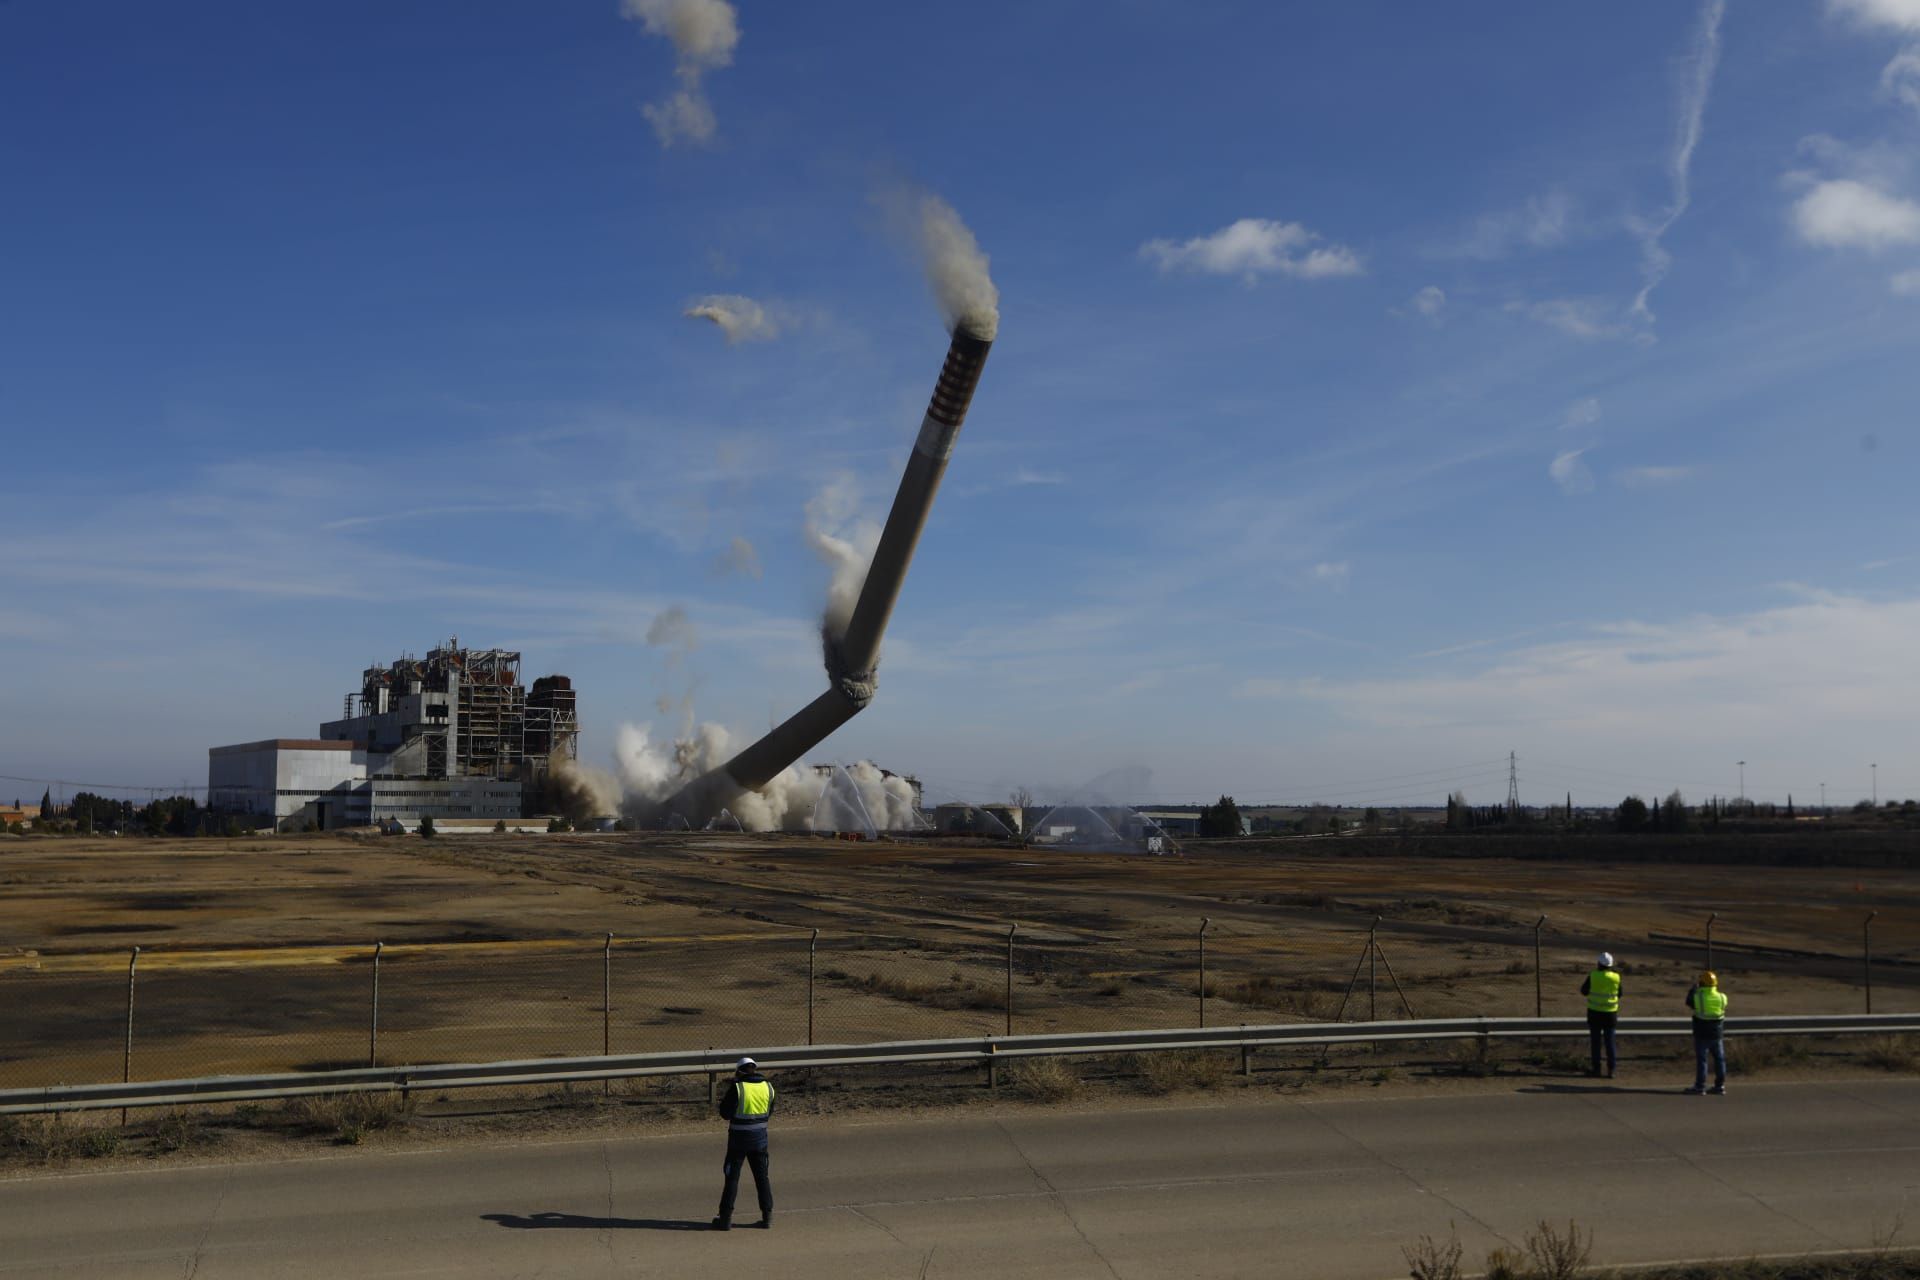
[(453, 735)]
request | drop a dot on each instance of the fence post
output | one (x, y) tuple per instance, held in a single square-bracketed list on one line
[(1010, 931), (1711, 917), (373, 1010), (1866, 956), (1373, 953), (126, 1062), (1204, 922), (606, 1009), (1536, 964), (813, 944)]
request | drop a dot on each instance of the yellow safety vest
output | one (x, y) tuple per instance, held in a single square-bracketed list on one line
[(753, 1104), (1709, 1004), (1603, 991)]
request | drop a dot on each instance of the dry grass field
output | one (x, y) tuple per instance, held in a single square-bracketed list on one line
[(257, 954)]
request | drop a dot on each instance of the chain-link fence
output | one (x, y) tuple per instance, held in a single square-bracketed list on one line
[(69, 1019)]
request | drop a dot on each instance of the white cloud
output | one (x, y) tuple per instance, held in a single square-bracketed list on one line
[(1541, 223), (741, 318), (1332, 572), (1844, 213), (1429, 301), (1024, 477), (1579, 317), (1581, 413), (1905, 283), (1649, 477), (1253, 247), (1570, 471), (1696, 81), (1901, 78), (704, 34), (1903, 15)]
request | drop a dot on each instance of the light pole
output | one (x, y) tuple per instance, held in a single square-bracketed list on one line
[(1876, 783), (1743, 782)]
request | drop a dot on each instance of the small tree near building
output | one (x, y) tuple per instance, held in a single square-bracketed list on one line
[(1222, 818), (1632, 814), (426, 826)]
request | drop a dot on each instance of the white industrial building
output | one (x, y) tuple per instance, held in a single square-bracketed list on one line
[(323, 784)]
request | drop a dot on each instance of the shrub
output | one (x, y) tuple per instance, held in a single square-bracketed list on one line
[(349, 1117), (955, 993), (1556, 1256), (182, 1131), (1177, 1069), (426, 826), (1430, 1259), (1046, 1080), (1758, 1053), (1892, 1053)]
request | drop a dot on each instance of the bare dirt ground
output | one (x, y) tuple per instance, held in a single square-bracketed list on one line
[(258, 954)]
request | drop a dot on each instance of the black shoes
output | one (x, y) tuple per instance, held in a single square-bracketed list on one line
[(721, 1224), (765, 1224)]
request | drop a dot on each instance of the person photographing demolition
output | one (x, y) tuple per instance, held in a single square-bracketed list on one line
[(747, 1105), (1602, 990), (1708, 1004)]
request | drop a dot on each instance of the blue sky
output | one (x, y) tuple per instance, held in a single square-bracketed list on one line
[(1379, 390)]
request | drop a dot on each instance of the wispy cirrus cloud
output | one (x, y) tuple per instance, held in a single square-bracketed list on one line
[(1542, 222), (1581, 413), (1814, 675), (1255, 247), (1583, 318), (1649, 477), (1570, 471), (1428, 302), (1695, 83)]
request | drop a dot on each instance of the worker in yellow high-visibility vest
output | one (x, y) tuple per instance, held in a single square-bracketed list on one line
[(1708, 1004), (747, 1105), (1602, 990)]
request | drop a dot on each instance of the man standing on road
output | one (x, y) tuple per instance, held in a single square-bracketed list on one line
[(1709, 1008), (747, 1104), (1602, 990)]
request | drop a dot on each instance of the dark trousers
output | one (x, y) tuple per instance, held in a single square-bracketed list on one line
[(1705, 1049), (1600, 1034), (756, 1158)]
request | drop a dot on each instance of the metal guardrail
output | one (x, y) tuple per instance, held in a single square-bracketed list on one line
[(983, 1050)]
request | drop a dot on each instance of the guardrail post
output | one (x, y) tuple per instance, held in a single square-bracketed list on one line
[(1204, 922), (1536, 964), (713, 1097), (1866, 956), (813, 945), (126, 1061), (1010, 932), (373, 1010), (1711, 917), (606, 1008)]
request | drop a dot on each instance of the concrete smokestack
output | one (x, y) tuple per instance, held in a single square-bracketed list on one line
[(854, 657)]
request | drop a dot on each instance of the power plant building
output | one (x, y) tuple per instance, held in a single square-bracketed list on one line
[(453, 736)]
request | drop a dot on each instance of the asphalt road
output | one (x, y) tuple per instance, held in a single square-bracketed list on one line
[(1275, 1187)]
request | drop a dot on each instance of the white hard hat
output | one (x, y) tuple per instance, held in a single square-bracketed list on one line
[(745, 1064), (1606, 959)]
